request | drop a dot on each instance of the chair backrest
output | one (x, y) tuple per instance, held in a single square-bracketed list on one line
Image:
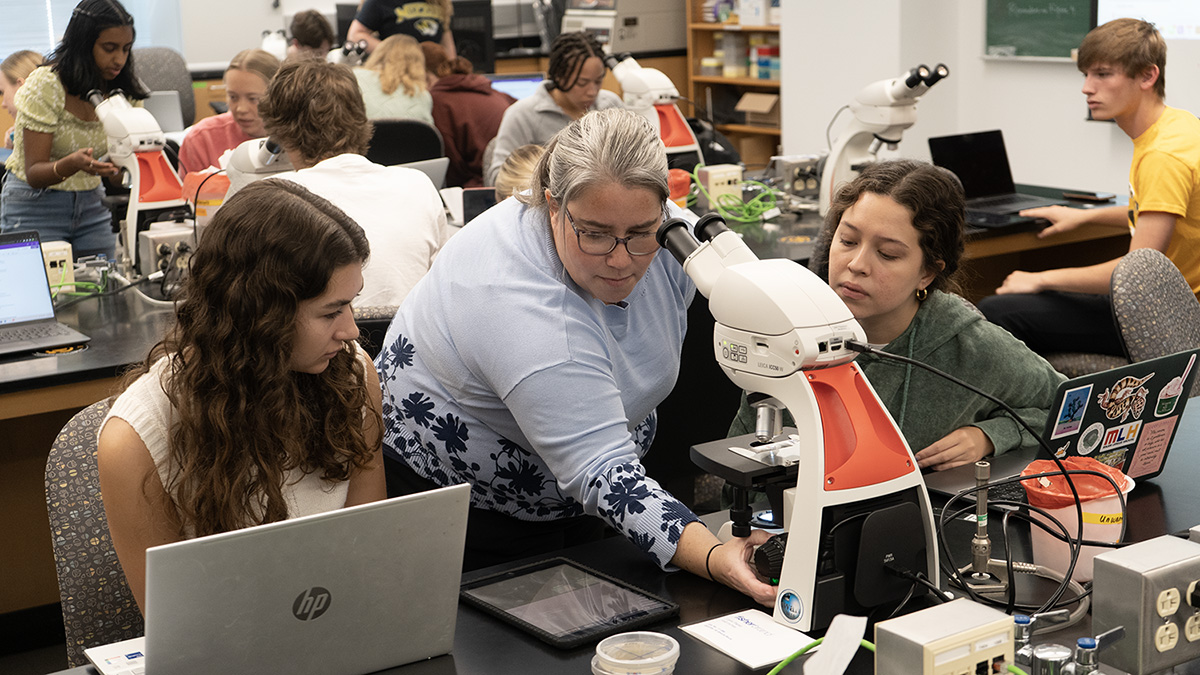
[(372, 324), (97, 605), (162, 69), (1154, 306), (397, 141)]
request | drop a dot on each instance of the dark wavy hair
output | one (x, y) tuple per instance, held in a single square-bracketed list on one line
[(568, 53), (316, 109), (243, 417), (934, 197), (73, 61)]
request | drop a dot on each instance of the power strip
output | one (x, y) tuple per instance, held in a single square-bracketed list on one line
[(718, 179), (1151, 588), (956, 638), (60, 266)]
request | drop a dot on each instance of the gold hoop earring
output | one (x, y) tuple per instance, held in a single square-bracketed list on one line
[(922, 293)]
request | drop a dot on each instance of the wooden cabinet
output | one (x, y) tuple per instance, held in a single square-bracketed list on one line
[(718, 94)]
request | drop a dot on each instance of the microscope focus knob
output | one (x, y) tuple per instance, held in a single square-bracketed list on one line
[(768, 559)]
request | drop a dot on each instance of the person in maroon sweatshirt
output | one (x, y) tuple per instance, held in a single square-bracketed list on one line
[(466, 110)]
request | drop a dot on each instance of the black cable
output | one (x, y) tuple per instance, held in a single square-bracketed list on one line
[(104, 294), (196, 201), (856, 346)]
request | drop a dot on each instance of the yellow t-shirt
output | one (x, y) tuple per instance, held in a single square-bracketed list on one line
[(41, 106), (1165, 176)]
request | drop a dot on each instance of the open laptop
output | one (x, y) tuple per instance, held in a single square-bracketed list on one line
[(516, 85), (166, 109), (355, 590), (981, 164), (26, 306), (1125, 417), (434, 168)]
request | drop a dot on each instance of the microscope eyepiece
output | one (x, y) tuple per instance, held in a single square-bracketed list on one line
[(940, 71), (709, 226), (674, 236)]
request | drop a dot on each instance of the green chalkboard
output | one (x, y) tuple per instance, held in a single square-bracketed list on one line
[(1036, 28)]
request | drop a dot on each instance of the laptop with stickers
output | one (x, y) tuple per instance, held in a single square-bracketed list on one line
[(1125, 417)]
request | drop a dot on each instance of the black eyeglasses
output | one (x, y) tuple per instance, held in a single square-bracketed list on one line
[(598, 243)]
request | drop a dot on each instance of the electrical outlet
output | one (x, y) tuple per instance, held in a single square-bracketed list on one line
[(1143, 587), (955, 638), (60, 266), (156, 245)]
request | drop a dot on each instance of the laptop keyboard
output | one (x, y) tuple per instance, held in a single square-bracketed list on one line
[(34, 332)]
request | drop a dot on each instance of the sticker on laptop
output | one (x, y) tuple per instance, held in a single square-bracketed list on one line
[(1168, 396), (1126, 397), (1090, 440), (1061, 452), (1070, 413), (1120, 435)]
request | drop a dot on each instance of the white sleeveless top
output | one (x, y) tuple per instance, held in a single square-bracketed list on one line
[(146, 408)]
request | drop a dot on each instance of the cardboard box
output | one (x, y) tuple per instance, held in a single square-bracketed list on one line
[(761, 109)]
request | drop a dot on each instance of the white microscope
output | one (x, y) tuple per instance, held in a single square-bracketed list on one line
[(651, 94), (857, 516), (882, 111), (135, 144)]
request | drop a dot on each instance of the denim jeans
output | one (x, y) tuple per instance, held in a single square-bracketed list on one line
[(79, 218)]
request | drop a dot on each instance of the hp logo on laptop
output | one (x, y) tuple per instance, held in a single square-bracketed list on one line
[(311, 604)]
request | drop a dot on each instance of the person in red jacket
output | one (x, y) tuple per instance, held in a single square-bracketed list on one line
[(466, 110)]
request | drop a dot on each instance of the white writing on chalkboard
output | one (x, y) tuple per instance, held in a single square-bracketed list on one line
[(1060, 10)]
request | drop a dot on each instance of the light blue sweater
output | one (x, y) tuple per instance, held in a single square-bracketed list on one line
[(500, 371)]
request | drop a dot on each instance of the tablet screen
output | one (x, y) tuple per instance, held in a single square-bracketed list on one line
[(565, 601)]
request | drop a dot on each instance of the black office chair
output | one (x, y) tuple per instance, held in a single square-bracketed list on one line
[(164, 69), (372, 324), (399, 141)]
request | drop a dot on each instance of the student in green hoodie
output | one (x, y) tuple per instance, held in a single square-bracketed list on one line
[(890, 249)]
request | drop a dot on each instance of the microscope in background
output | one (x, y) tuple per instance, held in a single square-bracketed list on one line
[(156, 205), (882, 111), (651, 94), (859, 528)]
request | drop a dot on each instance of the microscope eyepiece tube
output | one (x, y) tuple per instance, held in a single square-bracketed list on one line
[(674, 236), (709, 226)]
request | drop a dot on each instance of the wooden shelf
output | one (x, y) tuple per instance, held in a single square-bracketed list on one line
[(748, 129), (733, 27), (736, 81)]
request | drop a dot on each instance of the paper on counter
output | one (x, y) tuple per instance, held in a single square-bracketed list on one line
[(750, 636)]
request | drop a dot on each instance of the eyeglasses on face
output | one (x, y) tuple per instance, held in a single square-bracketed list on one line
[(599, 243)]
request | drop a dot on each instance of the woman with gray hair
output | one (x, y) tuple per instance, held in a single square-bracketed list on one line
[(530, 359)]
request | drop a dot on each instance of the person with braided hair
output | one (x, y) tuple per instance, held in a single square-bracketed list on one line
[(571, 90)]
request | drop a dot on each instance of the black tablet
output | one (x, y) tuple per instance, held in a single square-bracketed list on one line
[(564, 603)]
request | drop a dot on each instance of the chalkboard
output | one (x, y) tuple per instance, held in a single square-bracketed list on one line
[(1038, 29)]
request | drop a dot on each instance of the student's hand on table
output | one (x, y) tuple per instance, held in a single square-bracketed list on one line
[(1062, 219), (964, 445), (1021, 282), (731, 565)]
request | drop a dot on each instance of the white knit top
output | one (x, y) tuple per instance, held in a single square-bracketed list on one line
[(146, 408)]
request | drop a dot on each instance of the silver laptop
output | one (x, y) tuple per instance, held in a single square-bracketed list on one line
[(434, 168), (166, 109), (26, 306), (355, 590)]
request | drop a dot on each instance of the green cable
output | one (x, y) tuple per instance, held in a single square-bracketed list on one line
[(1015, 670), (733, 208), (76, 283), (806, 648)]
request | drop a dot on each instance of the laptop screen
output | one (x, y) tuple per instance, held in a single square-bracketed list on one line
[(979, 160), (517, 86), (24, 290)]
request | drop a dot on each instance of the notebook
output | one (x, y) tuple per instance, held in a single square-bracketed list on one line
[(981, 164), (355, 590), (26, 306), (1125, 417)]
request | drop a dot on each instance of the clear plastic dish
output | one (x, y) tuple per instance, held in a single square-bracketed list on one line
[(636, 653)]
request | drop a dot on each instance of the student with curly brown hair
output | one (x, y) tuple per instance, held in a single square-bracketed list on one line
[(259, 405), (571, 90), (315, 111)]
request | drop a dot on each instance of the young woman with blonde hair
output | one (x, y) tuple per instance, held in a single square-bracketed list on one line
[(13, 72), (246, 80), (393, 81)]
